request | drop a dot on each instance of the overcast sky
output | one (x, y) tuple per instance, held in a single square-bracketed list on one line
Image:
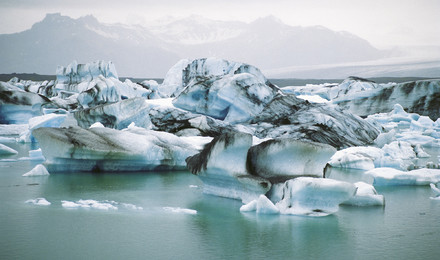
[(384, 23)]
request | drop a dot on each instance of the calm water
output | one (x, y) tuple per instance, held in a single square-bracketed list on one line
[(407, 228)]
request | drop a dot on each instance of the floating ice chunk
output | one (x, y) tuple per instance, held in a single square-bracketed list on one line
[(314, 196), (389, 176), (38, 170), (39, 201), (180, 210), (6, 150), (96, 204), (92, 204), (366, 195), (360, 157), (69, 204)]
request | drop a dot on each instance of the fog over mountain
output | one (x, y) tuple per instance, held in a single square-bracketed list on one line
[(150, 51)]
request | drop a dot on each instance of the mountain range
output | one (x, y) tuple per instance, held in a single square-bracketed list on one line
[(149, 51)]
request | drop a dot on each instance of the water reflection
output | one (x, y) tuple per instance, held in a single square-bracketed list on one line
[(224, 231)]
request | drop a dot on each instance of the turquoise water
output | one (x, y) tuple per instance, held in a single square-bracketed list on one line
[(407, 228)]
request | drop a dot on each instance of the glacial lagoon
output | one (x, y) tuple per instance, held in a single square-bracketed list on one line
[(165, 215)]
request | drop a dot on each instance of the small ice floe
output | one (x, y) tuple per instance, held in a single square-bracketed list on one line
[(193, 186), (436, 192), (100, 205), (366, 195), (38, 170), (89, 204), (39, 202), (6, 150), (262, 205), (180, 210)]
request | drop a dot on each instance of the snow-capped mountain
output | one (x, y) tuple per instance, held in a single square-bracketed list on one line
[(197, 30), (148, 51)]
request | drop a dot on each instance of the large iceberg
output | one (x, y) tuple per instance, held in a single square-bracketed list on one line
[(417, 97), (231, 167), (288, 116), (94, 83), (221, 165), (102, 149), (230, 91), (365, 97)]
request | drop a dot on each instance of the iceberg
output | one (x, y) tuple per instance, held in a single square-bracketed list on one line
[(18, 106), (312, 196), (221, 165), (230, 166), (388, 176), (281, 159), (88, 204), (38, 170), (398, 154), (366, 195), (370, 98), (229, 91), (288, 116), (6, 150), (75, 149)]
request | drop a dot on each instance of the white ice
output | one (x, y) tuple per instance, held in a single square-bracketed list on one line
[(6, 150), (366, 195), (38, 170), (262, 205), (389, 176), (314, 196), (39, 201), (89, 204), (180, 210)]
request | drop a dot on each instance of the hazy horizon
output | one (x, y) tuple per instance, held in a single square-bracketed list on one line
[(383, 24)]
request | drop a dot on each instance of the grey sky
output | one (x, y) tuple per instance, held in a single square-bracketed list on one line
[(384, 23)]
